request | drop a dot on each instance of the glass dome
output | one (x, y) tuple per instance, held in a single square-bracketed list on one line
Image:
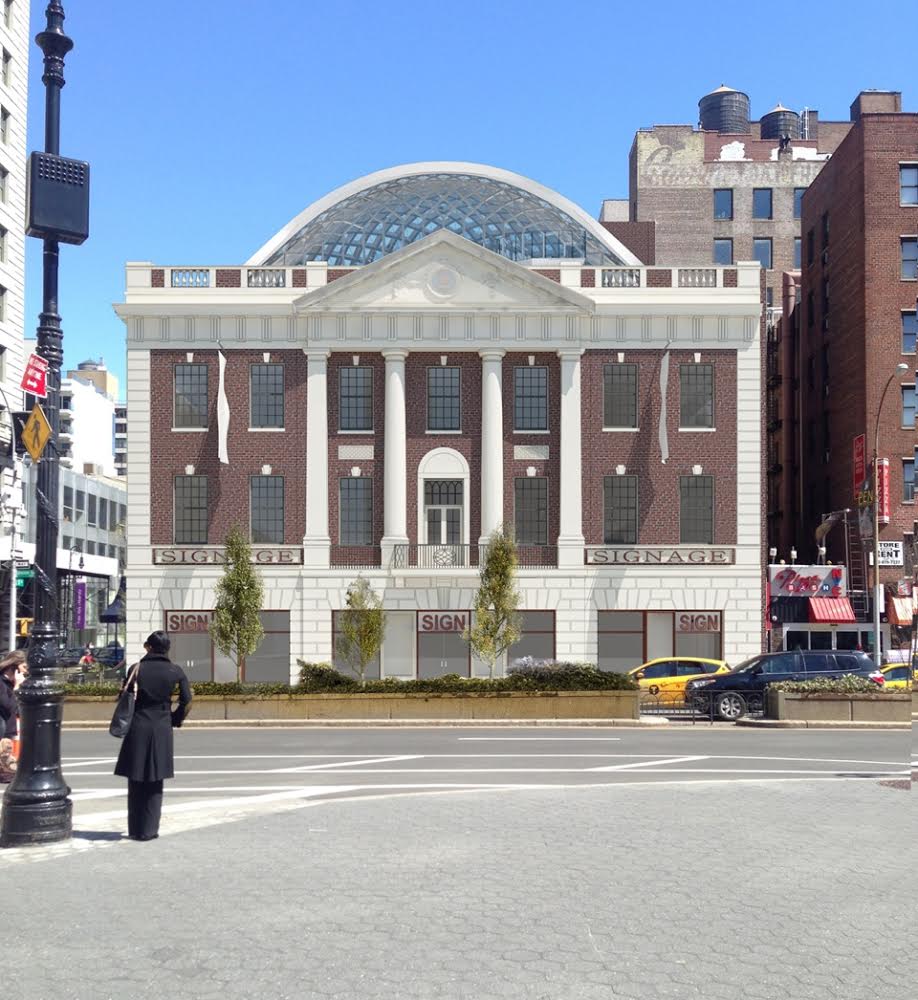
[(376, 217)]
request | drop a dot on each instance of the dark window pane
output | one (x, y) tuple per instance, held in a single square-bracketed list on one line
[(531, 510), (443, 412), (442, 492), (908, 184), (91, 513), (723, 203), (103, 513), (530, 399), (797, 253), (620, 510), (761, 203), (190, 395), (619, 396), (355, 403), (191, 510), (266, 391), (910, 257), (798, 202), (696, 510), (696, 395), (761, 251), (267, 509), (355, 525), (908, 479), (909, 332), (723, 252)]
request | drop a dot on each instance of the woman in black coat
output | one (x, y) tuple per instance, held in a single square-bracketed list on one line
[(146, 753)]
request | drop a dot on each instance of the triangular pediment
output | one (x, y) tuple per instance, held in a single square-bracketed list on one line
[(444, 272)]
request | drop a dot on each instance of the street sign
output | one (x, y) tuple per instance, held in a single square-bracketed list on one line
[(35, 376), (36, 433), (22, 575)]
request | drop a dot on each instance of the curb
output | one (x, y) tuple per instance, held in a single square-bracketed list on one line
[(821, 724), (393, 723)]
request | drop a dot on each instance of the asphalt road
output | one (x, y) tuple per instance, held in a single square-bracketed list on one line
[(479, 864)]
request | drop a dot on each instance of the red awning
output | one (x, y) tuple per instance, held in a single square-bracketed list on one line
[(831, 610), (899, 610)]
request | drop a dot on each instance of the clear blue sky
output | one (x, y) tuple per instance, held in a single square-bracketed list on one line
[(209, 124)]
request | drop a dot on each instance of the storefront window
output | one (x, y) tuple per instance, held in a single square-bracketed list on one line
[(537, 637), (621, 640), (193, 650)]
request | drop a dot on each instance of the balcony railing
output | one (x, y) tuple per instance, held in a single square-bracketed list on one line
[(266, 277), (355, 556), (621, 277), (468, 556), (697, 277), (191, 277)]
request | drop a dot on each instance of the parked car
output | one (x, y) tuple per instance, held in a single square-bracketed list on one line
[(110, 655), (897, 676), (731, 695), (667, 677)]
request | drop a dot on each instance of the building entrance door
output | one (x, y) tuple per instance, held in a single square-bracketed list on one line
[(443, 520), (441, 653)]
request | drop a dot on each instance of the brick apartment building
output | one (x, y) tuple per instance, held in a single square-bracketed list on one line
[(729, 190), (424, 356), (849, 319)]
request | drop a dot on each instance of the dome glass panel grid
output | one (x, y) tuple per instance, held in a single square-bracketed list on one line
[(499, 216)]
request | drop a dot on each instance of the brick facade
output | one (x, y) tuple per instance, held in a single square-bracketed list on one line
[(228, 485)]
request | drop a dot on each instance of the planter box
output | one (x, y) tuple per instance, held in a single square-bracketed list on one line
[(819, 707), (497, 705)]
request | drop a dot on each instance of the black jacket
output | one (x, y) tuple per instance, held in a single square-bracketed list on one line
[(146, 753), (9, 709)]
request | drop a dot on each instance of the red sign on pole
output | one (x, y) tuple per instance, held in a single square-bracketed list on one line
[(35, 376), (883, 490), (860, 463)]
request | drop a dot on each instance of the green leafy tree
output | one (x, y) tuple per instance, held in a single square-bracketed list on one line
[(362, 626), (236, 628), (497, 623)]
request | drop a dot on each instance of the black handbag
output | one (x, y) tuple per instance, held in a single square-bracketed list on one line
[(124, 709)]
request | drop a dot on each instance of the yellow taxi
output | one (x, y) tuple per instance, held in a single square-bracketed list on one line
[(896, 677), (666, 678)]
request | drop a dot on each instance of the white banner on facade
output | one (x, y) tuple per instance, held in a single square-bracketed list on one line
[(223, 413)]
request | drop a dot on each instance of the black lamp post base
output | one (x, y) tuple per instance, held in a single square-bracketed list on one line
[(30, 824)]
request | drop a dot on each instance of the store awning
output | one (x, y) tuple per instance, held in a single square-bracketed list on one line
[(114, 613), (831, 610), (900, 610)]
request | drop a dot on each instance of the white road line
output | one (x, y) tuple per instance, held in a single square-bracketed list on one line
[(645, 763), (344, 763), (539, 739), (86, 763)]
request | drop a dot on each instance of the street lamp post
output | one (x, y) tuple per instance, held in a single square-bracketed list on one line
[(36, 806), (877, 586)]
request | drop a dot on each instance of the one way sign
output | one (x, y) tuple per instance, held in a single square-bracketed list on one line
[(35, 376)]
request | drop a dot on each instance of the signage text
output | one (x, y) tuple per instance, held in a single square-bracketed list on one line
[(442, 621), (652, 556), (217, 556)]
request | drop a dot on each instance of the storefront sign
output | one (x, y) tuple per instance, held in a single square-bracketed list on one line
[(216, 555), (652, 556), (442, 621), (860, 462), (807, 581), (890, 553), (188, 621), (697, 621), (883, 490)]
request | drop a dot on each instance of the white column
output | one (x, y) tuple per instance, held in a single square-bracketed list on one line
[(492, 443), (570, 537), (395, 466), (316, 542)]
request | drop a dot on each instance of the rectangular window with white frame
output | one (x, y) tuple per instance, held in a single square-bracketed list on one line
[(4, 125), (266, 509), (4, 232), (909, 251), (696, 396), (266, 396), (530, 398), (908, 183), (190, 510), (620, 510), (4, 184), (696, 510), (909, 331), (355, 398), (531, 510), (908, 406), (443, 399), (908, 480), (355, 510), (620, 397), (190, 407)]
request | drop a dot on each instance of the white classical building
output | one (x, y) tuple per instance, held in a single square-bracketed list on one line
[(424, 356)]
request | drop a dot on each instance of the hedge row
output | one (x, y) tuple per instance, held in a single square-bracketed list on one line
[(323, 678), (847, 684)]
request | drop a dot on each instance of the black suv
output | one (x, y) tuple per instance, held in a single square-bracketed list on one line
[(730, 696)]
